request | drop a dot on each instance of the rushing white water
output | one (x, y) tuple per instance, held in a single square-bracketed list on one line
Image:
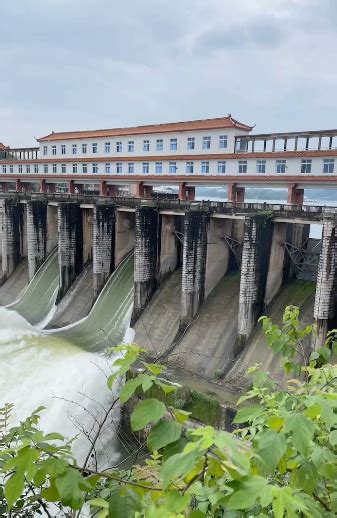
[(56, 369)]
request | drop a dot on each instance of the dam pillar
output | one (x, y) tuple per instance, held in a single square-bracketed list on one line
[(295, 195), (52, 222), (254, 269), (70, 244), (36, 235), (103, 245), (11, 212), (194, 264), (326, 287), (147, 252), (170, 247)]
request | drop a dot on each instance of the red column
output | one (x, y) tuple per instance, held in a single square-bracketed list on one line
[(4, 186), (71, 187), (112, 190), (18, 186), (103, 191), (191, 193), (79, 188), (235, 194), (51, 187), (140, 190), (186, 193), (295, 195), (43, 186)]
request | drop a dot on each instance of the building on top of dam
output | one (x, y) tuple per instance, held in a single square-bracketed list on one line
[(218, 152)]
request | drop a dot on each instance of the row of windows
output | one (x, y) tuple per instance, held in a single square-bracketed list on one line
[(159, 146), (280, 167)]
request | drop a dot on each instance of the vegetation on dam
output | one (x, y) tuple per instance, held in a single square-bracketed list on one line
[(281, 460)]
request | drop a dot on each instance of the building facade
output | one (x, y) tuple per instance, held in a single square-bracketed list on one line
[(220, 151)]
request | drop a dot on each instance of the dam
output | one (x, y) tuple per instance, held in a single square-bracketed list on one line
[(202, 275)]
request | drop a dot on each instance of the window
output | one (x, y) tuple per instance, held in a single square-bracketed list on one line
[(206, 143), (205, 167), (190, 143), (54, 168), (131, 168), (131, 146), (95, 168), (63, 168), (53, 150), (11, 169), (4, 169), (261, 166), (146, 167), (189, 167), (107, 168), (328, 165), (45, 168), (119, 168), (119, 147), (173, 144), (84, 168), (159, 167), (74, 168), (84, 149), (94, 148), (223, 141), (159, 144), (242, 166), (107, 147), (63, 149), (221, 167), (20, 168), (146, 145), (306, 166), (36, 168), (172, 167), (281, 166), (74, 149), (45, 150), (28, 169)]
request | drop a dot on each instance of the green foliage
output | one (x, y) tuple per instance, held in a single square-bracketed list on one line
[(282, 462)]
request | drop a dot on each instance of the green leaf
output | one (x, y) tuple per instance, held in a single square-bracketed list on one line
[(162, 434), (99, 502), (248, 414), (302, 430), (68, 487), (333, 438), (14, 487), (271, 448), (146, 412), (154, 368), (247, 491), (131, 386), (180, 415), (166, 387), (176, 502), (178, 466), (51, 493), (124, 503), (285, 501)]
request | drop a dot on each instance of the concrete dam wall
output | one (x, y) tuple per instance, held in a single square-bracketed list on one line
[(203, 272)]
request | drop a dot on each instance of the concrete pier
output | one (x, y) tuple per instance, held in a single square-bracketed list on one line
[(194, 264), (147, 254), (36, 235), (11, 219), (103, 245), (70, 248), (254, 269), (326, 288)]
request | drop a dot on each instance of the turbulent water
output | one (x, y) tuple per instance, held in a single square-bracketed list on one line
[(63, 369)]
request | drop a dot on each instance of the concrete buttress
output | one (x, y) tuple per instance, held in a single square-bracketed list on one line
[(36, 234), (103, 245), (326, 288), (194, 264), (70, 248), (147, 253), (11, 217), (254, 269)]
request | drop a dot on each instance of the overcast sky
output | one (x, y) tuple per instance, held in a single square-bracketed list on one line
[(86, 64)]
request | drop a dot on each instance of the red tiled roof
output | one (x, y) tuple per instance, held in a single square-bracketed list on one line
[(204, 124), (3, 147)]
